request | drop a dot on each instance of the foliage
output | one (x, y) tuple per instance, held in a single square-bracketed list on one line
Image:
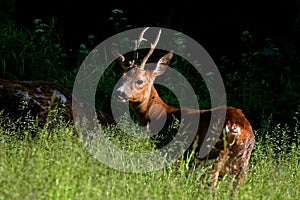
[(119, 20), (278, 139), (33, 54), (56, 165), (264, 82)]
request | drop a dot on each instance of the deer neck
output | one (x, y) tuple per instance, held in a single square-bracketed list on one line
[(151, 108)]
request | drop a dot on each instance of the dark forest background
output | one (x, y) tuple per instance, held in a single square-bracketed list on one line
[(254, 43)]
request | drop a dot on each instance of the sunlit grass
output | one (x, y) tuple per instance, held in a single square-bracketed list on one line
[(55, 165)]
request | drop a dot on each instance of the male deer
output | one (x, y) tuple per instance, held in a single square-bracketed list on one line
[(137, 88)]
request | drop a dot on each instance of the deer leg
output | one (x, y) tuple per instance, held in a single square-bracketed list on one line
[(222, 160), (243, 164)]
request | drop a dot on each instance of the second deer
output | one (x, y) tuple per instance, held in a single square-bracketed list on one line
[(138, 89)]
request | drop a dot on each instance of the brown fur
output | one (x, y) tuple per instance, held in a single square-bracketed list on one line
[(232, 155)]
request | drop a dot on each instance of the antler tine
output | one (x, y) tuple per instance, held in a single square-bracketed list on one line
[(141, 39), (116, 54), (151, 50), (138, 43)]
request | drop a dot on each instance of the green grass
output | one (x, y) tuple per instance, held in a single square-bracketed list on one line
[(55, 165)]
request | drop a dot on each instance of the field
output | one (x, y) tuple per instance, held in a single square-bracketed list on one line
[(50, 161), (55, 165)]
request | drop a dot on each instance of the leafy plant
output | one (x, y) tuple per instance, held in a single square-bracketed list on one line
[(33, 54), (119, 20), (264, 81)]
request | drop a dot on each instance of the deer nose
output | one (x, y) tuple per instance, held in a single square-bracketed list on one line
[(121, 95)]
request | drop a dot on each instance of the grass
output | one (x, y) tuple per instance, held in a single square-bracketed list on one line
[(55, 165)]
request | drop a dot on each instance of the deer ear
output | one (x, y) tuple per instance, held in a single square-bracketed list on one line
[(162, 64), (121, 60)]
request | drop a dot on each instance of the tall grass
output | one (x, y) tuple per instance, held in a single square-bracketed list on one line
[(55, 165)]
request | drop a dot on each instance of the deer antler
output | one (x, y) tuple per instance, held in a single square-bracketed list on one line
[(151, 50), (141, 38), (138, 43)]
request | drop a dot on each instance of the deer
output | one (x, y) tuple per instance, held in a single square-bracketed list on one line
[(236, 140)]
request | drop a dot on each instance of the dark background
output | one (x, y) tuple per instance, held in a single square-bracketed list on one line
[(216, 25)]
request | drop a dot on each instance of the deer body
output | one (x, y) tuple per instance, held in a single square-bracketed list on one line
[(138, 89)]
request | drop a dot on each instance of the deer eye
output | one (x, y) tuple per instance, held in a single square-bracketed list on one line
[(139, 82)]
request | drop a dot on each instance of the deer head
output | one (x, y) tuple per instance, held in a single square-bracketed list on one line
[(137, 81)]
